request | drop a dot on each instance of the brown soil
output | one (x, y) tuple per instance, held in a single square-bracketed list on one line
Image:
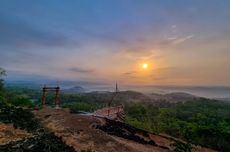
[(78, 131), (8, 133)]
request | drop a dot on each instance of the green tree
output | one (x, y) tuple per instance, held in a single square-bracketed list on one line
[(2, 74)]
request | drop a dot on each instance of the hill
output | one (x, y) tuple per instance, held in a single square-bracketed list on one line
[(73, 90), (197, 120), (173, 97), (125, 97)]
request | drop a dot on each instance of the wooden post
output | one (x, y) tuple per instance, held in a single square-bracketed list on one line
[(57, 97), (44, 96)]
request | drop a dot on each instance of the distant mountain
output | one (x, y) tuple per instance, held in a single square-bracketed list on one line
[(132, 96), (76, 89), (223, 99), (173, 97), (124, 97)]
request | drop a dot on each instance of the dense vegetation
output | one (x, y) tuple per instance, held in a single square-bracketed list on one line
[(202, 122)]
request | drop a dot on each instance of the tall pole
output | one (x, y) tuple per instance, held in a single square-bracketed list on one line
[(116, 88), (115, 94), (57, 97)]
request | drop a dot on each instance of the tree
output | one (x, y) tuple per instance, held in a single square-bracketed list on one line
[(2, 92), (2, 74)]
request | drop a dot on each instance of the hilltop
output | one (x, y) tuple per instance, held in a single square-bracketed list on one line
[(81, 132)]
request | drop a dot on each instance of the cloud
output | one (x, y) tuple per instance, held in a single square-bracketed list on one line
[(178, 73), (182, 39), (141, 53), (81, 70), (171, 40), (174, 36), (130, 73), (22, 42), (108, 36), (18, 33), (23, 77)]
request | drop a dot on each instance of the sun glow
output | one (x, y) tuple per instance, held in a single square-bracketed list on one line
[(145, 66)]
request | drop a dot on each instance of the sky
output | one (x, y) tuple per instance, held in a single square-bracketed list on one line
[(184, 42)]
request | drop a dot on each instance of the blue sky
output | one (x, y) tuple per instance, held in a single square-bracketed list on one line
[(185, 42)]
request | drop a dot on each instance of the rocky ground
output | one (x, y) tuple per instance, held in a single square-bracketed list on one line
[(20, 131), (83, 134), (10, 134), (79, 131)]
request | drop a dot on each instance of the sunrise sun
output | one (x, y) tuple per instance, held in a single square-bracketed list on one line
[(145, 66)]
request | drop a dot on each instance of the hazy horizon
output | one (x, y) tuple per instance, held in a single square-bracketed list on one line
[(202, 91)]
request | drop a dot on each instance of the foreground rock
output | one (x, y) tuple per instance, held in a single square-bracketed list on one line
[(9, 134), (20, 131), (79, 131)]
